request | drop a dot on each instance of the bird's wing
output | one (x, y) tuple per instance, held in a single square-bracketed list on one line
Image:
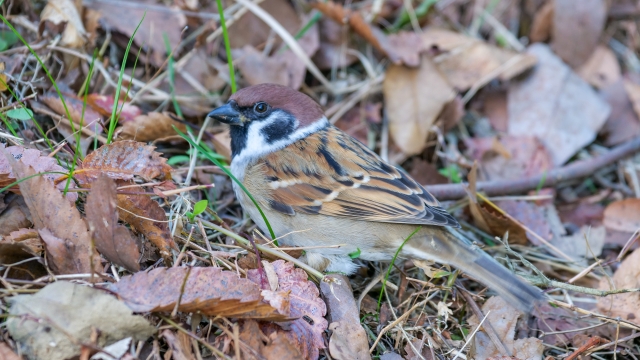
[(330, 173)]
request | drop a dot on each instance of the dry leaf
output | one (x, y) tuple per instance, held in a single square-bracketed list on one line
[(81, 115), (542, 23), (15, 216), (601, 69), (348, 341), (510, 157), (576, 244), (503, 318), (208, 290), (278, 346), (38, 162), (123, 160), (577, 29), (67, 314), (414, 99), (467, 61), (250, 30), (7, 354), (112, 240), (103, 104), (17, 254), (305, 303), (150, 127), (125, 17), (623, 123), (56, 219), (555, 105), (28, 238), (633, 90), (625, 306), (180, 349), (147, 217), (622, 215), (63, 16)]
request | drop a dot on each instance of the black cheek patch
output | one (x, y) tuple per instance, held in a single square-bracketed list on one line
[(280, 129), (238, 139)]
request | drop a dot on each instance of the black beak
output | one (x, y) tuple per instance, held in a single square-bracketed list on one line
[(227, 113)]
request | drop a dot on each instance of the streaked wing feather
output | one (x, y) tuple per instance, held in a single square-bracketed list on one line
[(330, 173)]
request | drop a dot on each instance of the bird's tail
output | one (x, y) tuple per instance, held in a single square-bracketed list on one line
[(442, 246)]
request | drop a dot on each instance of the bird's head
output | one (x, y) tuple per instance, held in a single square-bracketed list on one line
[(267, 117)]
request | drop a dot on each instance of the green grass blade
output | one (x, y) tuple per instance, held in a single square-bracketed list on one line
[(206, 153), (386, 277), (172, 76), (227, 46), (114, 120)]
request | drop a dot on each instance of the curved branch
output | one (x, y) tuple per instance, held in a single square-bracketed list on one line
[(575, 170)]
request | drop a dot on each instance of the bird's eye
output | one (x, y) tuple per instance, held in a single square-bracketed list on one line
[(261, 108)]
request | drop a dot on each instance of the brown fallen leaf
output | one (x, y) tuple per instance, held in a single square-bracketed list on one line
[(601, 69), (14, 250), (103, 104), (466, 61), (29, 238), (147, 217), (68, 315), (57, 219), (15, 216), (250, 30), (276, 347), (82, 117), (503, 318), (349, 340), (509, 157), (577, 29), (414, 99), (180, 350), (622, 215), (149, 127), (63, 17), (623, 123), (112, 240), (556, 105), (306, 304), (6, 353), (542, 23), (39, 163), (625, 306), (207, 290), (632, 87), (125, 17), (123, 160)]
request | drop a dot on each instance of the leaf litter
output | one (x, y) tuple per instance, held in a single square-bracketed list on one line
[(527, 92)]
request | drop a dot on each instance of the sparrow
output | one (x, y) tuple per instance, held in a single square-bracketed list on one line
[(318, 186)]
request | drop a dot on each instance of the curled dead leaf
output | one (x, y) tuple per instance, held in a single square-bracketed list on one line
[(206, 290), (414, 99), (112, 240), (123, 160)]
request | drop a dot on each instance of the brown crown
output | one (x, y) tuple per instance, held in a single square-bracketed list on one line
[(304, 108)]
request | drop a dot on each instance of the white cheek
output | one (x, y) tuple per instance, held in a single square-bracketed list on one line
[(258, 146)]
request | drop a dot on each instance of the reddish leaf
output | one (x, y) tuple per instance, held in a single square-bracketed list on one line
[(146, 216), (38, 162), (112, 240), (150, 127), (208, 290), (123, 160), (57, 219), (305, 302), (104, 105)]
